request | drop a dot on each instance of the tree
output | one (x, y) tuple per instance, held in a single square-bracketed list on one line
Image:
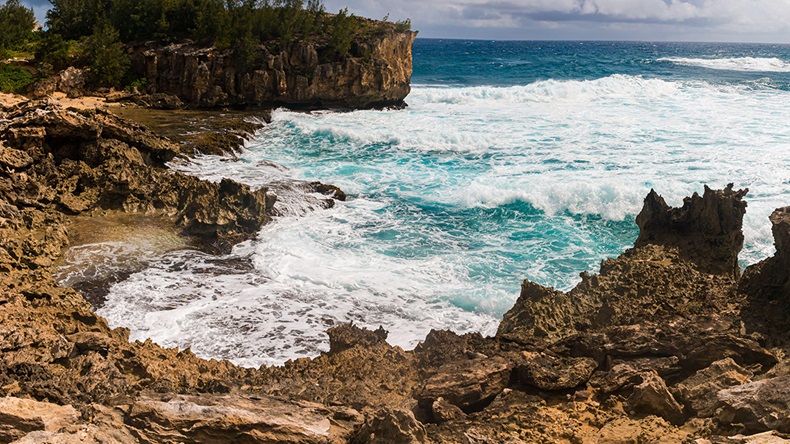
[(107, 60), (73, 19), (16, 25), (343, 27)]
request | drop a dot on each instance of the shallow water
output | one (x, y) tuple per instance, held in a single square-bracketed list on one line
[(514, 160)]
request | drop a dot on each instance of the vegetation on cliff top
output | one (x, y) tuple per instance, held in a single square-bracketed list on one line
[(92, 33)]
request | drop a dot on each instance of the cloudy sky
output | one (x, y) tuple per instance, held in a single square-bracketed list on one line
[(674, 20)]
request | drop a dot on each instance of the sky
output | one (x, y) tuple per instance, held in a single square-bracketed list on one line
[(764, 21)]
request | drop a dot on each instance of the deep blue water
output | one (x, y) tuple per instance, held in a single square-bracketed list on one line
[(514, 160), (508, 63)]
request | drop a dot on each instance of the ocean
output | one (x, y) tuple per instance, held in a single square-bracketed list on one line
[(513, 160)]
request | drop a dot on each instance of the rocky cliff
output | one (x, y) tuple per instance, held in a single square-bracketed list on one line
[(303, 75)]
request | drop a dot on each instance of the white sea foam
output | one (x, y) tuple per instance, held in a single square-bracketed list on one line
[(756, 64), (452, 202)]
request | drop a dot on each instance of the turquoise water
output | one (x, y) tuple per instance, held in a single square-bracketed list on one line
[(513, 160)]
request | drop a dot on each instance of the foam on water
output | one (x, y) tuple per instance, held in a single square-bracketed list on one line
[(748, 64), (453, 202)]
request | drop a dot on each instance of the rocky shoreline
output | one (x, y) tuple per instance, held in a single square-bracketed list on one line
[(667, 344)]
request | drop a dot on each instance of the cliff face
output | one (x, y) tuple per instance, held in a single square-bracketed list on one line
[(301, 76)]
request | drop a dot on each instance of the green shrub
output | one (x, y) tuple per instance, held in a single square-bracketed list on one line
[(107, 60), (14, 79), (403, 25), (343, 27)]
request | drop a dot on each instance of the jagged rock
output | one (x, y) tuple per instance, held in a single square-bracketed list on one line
[(346, 336), (97, 160), (770, 279), (653, 397), (443, 346), (15, 159), (19, 417), (548, 372), (328, 190), (760, 405), (389, 426), (468, 384), (619, 377), (649, 284), (225, 418), (72, 82), (699, 391), (706, 230), (207, 77), (443, 411)]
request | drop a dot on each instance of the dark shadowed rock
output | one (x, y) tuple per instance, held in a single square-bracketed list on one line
[(443, 411), (760, 405), (706, 229), (547, 372), (469, 383)]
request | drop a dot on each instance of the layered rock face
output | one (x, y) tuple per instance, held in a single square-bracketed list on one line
[(299, 76)]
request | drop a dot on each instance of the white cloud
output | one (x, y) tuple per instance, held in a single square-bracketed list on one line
[(701, 19)]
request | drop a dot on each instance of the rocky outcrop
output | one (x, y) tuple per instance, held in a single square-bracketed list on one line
[(706, 229), (74, 162), (760, 405), (303, 75)]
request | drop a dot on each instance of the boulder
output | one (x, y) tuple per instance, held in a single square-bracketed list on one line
[(18, 417), (699, 390), (469, 384), (391, 426), (443, 411), (651, 396), (547, 372), (759, 406)]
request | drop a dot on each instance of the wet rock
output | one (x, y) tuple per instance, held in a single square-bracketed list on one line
[(19, 417), (653, 397), (706, 229), (546, 372), (468, 384), (225, 418), (391, 426), (328, 190), (699, 391), (760, 405)]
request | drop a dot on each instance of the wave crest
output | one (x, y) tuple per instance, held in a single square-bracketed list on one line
[(752, 64)]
